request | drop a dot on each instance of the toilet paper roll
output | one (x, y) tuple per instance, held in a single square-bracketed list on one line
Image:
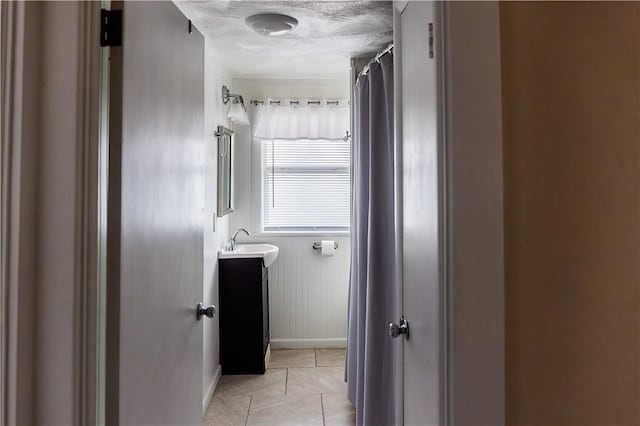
[(327, 247)]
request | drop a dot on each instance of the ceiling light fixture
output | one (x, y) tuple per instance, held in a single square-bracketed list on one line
[(271, 24)]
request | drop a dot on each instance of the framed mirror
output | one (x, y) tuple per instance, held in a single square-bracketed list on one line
[(225, 176)]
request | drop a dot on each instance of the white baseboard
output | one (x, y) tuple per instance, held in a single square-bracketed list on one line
[(339, 342), (211, 389)]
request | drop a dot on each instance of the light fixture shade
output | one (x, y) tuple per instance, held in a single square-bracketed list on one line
[(271, 24), (237, 114)]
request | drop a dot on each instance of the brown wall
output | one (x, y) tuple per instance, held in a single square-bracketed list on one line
[(571, 110)]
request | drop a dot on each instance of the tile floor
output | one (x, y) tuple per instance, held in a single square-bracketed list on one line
[(301, 387)]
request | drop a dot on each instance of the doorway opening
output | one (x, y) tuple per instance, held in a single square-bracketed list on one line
[(289, 73)]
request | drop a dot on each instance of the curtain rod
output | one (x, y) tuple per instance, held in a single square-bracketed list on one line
[(292, 102), (376, 58)]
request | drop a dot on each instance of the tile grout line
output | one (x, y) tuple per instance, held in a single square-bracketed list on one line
[(315, 356), (322, 407), (286, 381), (246, 422)]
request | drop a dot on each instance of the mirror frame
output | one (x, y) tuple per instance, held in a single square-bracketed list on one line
[(225, 150)]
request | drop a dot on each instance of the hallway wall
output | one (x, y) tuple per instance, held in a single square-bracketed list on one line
[(571, 109)]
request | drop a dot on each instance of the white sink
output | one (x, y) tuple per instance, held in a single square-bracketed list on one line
[(268, 252)]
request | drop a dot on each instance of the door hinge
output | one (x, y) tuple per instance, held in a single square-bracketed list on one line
[(431, 40), (110, 27)]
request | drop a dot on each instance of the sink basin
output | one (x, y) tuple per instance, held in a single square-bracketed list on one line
[(268, 252)]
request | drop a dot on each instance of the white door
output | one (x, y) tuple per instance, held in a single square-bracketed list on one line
[(421, 224), (156, 235)]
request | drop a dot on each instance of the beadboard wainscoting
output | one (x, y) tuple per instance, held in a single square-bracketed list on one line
[(308, 293)]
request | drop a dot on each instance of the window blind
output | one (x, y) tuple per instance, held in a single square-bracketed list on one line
[(306, 185)]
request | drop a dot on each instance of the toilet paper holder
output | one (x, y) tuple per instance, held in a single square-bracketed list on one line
[(318, 246)]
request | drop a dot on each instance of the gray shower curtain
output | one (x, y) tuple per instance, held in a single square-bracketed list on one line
[(370, 364)]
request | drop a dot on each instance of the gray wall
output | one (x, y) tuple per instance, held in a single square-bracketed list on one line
[(215, 113)]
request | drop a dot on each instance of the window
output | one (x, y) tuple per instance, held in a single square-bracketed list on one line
[(306, 185)]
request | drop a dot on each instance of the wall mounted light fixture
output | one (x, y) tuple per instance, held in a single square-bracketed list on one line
[(237, 111)]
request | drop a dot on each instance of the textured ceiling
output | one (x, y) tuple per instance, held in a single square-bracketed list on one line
[(328, 34)]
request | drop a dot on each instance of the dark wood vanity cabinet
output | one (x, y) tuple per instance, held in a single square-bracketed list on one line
[(244, 315)]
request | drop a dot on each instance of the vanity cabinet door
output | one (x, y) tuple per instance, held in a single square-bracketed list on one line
[(244, 315), (265, 310)]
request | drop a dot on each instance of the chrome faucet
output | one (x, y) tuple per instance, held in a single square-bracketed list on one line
[(231, 245)]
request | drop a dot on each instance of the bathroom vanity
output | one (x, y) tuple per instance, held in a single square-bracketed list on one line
[(244, 308)]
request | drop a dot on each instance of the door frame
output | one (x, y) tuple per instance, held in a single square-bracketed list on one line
[(474, 211), (50, 132), (16, 199), (19, 330), (472, 314)]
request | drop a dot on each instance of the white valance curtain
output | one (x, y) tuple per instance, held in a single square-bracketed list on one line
[(301, 120)]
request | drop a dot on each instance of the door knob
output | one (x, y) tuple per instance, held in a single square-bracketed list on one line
[(396, 330), (209, 311)]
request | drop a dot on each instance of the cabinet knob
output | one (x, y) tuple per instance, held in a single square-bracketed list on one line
[(209, 311)]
